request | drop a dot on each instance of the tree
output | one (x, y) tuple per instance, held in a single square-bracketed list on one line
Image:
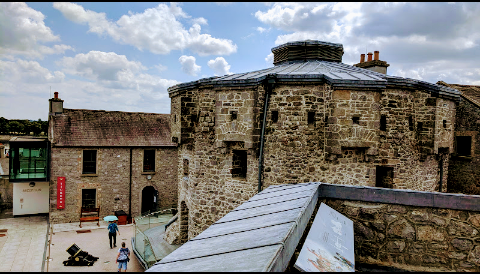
[(16, 127), (4, 126)]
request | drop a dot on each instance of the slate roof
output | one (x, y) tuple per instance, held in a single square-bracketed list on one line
[(469, 92), (259, 235), (336, 74), (95, 128)]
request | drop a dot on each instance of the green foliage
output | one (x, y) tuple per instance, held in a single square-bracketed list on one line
[(23, 127)]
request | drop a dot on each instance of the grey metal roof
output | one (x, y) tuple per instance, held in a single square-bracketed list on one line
[(259, 235), (334, 73)]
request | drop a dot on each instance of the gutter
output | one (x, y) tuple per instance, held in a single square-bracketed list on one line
[(269, 82)]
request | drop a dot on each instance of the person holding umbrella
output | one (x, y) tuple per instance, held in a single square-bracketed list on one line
[(112, 230)]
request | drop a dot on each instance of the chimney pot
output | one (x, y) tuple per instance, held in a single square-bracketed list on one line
[(369, 56), (376, 54), (55, 94), (362, 58)]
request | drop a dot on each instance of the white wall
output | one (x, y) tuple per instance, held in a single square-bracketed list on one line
[(30, 200)]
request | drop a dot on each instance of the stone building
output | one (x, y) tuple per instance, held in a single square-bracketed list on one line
[(464, 175), (309, 118), (112, 160)]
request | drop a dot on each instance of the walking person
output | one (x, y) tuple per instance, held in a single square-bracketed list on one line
[(123, 257), (112, 233)]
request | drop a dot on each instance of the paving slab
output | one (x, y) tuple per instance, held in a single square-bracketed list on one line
[(96, 243)]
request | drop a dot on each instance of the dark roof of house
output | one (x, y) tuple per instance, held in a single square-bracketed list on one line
[(95, 128), (302, 69), (469, 92)]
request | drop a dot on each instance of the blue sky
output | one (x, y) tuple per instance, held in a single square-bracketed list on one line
[(124, 56)]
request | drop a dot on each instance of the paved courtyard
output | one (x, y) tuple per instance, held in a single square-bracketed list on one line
[(22, 245)]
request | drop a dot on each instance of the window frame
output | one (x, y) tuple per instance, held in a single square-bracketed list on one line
[(94, 199), (145, 160), (84, 171), (244, 168)]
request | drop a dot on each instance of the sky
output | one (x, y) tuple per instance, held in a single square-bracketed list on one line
[(124, 56)]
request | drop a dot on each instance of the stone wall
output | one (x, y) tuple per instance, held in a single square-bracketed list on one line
[(322, 134), (465, 172), (412, 237), (112, 181), (6, 192)]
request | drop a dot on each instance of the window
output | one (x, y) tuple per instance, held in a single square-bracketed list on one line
[(149, 160), (419, 126), (444, 123), (384, 177), (89, 162), (28, 163), (185, 167), (275, 116), (234, 115), (410, 123), (89, 197), (356, 119), (311, 117), (239, 164), (464, 145), (383, 123)]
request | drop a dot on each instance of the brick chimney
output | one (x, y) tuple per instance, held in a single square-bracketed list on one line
[(55, 105), (374, 65)]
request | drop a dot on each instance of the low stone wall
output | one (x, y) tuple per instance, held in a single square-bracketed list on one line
[(443, 236)]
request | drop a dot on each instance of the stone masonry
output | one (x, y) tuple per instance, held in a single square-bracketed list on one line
[(465, 165), (397, 136), (413, 238), (120, 140), (111, 181)]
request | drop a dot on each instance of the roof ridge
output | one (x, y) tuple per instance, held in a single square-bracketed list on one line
[(129, 112)]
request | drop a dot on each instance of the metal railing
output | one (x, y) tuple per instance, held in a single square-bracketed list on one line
[(143, 244)]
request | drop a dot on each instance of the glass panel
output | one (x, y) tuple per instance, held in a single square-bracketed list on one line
[(28, 163)]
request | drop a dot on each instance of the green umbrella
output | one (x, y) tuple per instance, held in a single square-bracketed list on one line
[(110, 218)]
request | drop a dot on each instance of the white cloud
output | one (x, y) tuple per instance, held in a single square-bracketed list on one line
[(156, 29), (219, 66), (28, 72), (110, 80), (411, 47), (261, 30), (98, 65), (188, 65), (269, 59), (23, 30)]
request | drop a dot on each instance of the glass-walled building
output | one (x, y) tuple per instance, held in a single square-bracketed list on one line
[(29, 173), (29, 161)]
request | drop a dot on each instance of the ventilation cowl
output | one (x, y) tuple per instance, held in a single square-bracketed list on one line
[(307, 50)]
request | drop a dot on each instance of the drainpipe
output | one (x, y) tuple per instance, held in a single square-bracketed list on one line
[(269, 82), (441, 172), (130, 194)]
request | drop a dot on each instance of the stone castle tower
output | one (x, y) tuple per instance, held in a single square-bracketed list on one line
[(309, 118)]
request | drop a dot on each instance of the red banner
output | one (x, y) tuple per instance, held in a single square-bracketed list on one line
[(60, 192)]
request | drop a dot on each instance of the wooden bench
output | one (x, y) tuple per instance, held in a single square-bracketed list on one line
[(88, 215)]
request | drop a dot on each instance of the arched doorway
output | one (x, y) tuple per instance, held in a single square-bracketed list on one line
[(149, 199), (183, 222)]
